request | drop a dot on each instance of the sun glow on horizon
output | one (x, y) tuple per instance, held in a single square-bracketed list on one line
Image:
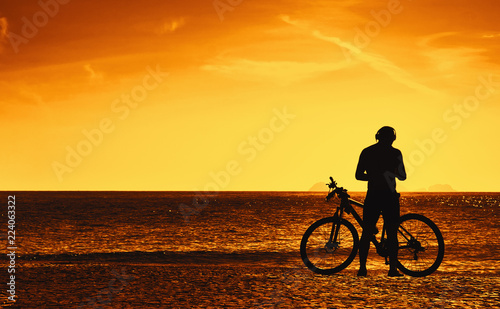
[(270, 96)]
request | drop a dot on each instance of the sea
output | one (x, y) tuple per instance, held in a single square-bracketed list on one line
[(99, 249)]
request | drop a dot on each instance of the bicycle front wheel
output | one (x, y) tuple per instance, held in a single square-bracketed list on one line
[(421, 245), (328, 246)]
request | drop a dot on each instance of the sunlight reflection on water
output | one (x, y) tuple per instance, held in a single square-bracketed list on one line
[(99, 222), (263, 228)]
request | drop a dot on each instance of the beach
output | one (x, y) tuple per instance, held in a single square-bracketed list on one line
[(235, 254), (225, 284)]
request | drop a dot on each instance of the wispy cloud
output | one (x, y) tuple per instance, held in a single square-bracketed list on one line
[(172, 25), (94, 77), (374, 61), (31, 97), (452, 52), (491, 35), (3, 31), (278, 72), (21, 98)]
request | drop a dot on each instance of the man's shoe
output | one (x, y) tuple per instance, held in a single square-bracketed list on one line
[(362, 273)]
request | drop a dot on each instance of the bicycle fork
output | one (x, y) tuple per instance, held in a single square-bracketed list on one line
[(333, 242)]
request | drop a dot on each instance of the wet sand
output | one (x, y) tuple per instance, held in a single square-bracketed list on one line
[(203, 281)]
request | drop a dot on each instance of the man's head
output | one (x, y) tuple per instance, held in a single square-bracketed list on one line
[(386, 135)]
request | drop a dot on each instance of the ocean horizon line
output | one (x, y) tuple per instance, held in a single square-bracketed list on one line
[(235, 191)]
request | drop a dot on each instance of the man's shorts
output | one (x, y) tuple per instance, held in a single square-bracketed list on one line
[(381, 202)]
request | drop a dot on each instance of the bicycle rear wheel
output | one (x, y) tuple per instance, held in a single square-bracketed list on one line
[(421, 245), (326, 257)]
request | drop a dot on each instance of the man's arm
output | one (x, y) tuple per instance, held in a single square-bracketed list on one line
[(401, 172), (360, 169)]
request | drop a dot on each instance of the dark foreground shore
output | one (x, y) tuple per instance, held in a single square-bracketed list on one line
[(207, 281)]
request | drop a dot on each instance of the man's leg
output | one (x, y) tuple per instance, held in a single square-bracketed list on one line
[(364, 247), (370, 218), (391, 220)]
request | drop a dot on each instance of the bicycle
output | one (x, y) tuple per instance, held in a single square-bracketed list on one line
[(330, 244)]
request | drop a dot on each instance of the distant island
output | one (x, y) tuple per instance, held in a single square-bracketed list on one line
[(440, 188), (319, 187)]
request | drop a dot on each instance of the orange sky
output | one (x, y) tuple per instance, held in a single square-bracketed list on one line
[(257, 95)]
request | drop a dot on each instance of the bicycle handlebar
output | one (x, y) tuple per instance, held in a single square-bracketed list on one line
[(334, 189)]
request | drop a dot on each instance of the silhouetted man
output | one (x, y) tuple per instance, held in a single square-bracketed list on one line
[(380, 164)]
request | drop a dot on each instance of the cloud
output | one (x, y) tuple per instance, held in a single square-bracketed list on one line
[(3, 30), (377, 62), (279, 72), (288, 20), (172, 25), (22, 99), (93, 76), (491, 35), (427, 40), (31, 97), (451, 52)]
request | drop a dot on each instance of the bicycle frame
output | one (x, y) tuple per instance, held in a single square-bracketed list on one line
[(346, 206)]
